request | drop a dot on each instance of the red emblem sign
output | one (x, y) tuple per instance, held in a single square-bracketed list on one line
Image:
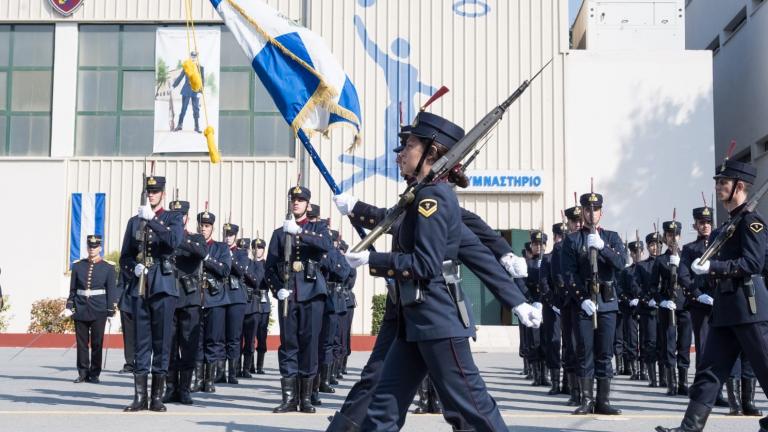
[(66, 7)]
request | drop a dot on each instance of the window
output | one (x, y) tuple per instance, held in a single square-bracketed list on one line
[(115, 102), (736, 23), (26, 88), (714, 46), (249, 122)]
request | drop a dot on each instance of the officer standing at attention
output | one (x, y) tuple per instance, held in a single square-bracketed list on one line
[(189, 257), (264, 308), (648, 310), (300, 289), (551, 333), (675, 320), (569, 308), (595, 346), (216, 268), (629, 299), (535, 351), (148, 245), (254, 275), (92, 301), (739, 323), (434, 324), (237, 300)]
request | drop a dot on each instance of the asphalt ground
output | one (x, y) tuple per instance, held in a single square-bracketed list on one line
[(37, 394)]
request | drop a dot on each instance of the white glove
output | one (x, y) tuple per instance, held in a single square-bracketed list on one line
[(139, 269), (515, 265), (66, 313), (344, 203), (283, 294), (594, 241), (537, 305), (356, 259), (588, 307), (668, 304), (557, 310), (634, 302), (291, 227), (674, 260), (145, 212), (529, 316), (706, 299), (652, 303), (700, 269)]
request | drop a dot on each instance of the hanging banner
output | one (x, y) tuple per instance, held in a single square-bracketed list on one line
[(180, 112)]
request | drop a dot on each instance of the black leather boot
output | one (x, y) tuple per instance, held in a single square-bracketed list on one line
[(575, 399), (290, 396), (633, 375), (247, 364), (344, 365), (643, 373), (627, 366), (260, 362), (748, 397), (339, 366), (720, 400), (733, 389), (332, 373), (140, 401), (209, 376), (543, 374), (603, 402), (587, 387), (694, 420), (652, 375), (434, 405), (555, 389), (619, 365), (315, 399), (171, 387), (198, 375), (185, 378), (422, 406), (535, 373), (671, 383), (525, 370), (565, 385), (342, 423), (764, 424), (305, 402), (158, 386), (221, 369), (682, 381), (81, 377), (325, 385), (662, 375), (232, 367)]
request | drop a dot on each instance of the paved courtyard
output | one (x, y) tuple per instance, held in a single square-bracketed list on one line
[(36, 393)]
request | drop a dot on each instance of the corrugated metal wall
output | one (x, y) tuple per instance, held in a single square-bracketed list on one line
[(246, 188)]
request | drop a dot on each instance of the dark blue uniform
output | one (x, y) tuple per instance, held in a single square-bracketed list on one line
[(336, 270), (551, 323), (534, 352), (216, 269), (256, 321), (92, 298), (152, 312), (595, 347), (236, 291), (648, 311), (628, 323)]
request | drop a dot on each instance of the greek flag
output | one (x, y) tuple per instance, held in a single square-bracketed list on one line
[(86, 217), (307, 84)]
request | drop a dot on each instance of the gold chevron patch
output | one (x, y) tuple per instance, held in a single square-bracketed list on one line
[(756, 227), (427, 207)]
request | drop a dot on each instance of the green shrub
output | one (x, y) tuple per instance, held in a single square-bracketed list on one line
[(46, 317), (379, 304), (5, 317)]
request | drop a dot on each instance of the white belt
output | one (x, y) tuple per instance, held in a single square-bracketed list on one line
[(91, 293)]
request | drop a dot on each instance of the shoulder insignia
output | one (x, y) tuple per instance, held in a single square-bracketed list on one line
[(427, 207), (756, 227)]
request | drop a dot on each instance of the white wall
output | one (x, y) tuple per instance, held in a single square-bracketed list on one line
[(641, 125)]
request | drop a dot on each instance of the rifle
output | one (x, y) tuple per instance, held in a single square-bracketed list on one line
[(594, 285), (673, 272), (288, 251), (445, 164), (142, 234)]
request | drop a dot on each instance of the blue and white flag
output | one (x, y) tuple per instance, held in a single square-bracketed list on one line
[(307, 84), (86, 217)]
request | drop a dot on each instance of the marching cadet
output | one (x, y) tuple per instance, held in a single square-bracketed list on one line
[(739, 320), (263, 307), (676, 334), (216, 268), (535, 350), (234, 311), (185, 337), (429, 238), (92, 301), (570, 307), (300, 288), (551, 333), (484, 252), (148, 245), (699, 291), (629, 299), (254, 276), (595, 346), (648, 310)]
